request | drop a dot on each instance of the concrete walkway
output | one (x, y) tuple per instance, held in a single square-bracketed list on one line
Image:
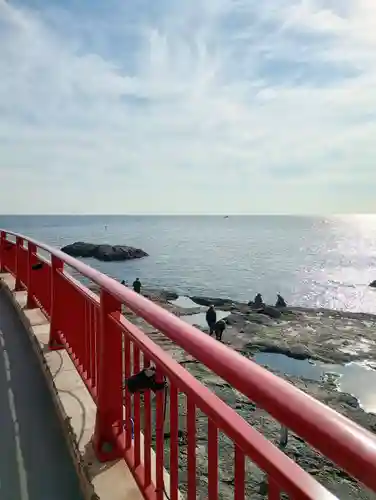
[(35, 463)]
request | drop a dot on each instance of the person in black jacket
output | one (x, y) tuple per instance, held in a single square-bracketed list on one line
[(137, 285), (258, 302), (211, 319), (280, 301)]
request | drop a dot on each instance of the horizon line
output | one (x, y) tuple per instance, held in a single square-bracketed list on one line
[(162, 214)]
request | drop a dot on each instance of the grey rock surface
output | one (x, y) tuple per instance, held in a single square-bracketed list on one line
[(103, 252)]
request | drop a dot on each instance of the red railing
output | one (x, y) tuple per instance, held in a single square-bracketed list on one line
[(107, 349)]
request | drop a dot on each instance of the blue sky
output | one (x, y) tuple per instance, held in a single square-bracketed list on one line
[(189, 106)]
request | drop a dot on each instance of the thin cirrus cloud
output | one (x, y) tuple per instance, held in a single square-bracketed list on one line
[(196, 106)]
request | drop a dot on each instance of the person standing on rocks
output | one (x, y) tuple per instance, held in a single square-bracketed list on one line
[(137, 285), (211, 319)]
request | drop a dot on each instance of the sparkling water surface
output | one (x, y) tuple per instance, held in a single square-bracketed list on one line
[(311, 261)]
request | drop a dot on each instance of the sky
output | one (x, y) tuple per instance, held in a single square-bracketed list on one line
[(188, 106)]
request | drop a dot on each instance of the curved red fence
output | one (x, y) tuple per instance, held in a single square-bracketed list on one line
[(107, 349)]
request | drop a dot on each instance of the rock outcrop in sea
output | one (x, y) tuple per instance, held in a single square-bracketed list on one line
[(103, 252)]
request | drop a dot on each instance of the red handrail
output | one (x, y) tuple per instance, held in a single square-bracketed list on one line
[(349, 446)]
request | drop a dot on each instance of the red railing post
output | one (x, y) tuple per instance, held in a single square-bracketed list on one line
[(19, 243), (32, 259), (3, 236), (57, 306), (110, 384)]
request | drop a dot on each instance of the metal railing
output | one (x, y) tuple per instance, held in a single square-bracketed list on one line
[(107, 349)]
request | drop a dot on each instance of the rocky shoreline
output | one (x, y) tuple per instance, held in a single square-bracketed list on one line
[(315, 335), (325, 335)]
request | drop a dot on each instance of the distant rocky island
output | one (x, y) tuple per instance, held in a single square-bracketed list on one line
[(105, 252)]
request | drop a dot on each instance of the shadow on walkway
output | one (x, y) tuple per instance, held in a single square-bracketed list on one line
[(35, 463)]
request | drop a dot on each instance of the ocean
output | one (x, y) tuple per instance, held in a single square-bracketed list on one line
[(312, 261)]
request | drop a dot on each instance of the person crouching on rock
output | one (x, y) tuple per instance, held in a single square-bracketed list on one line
[(137, 285), (280, 301), (219, 328), (211, 319), (258, 302)]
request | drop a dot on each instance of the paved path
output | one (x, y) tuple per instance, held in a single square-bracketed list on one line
[(34, 459)]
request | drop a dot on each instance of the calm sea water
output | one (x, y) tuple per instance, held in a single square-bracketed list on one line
[(326, 262)]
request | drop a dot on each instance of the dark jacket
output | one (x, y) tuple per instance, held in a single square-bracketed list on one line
[(211, 317), (280, 302), (137, 286)]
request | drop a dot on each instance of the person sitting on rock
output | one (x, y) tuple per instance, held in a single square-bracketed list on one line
[(211, 319), (219, 328), (137, 285), (280, 301), (258, 302)]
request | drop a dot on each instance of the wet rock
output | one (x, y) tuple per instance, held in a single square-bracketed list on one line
[(241, 319), (293, 351), (103, 252), (208, 301), (80, 249), (159, 294), (348, 399), (270, 311)]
